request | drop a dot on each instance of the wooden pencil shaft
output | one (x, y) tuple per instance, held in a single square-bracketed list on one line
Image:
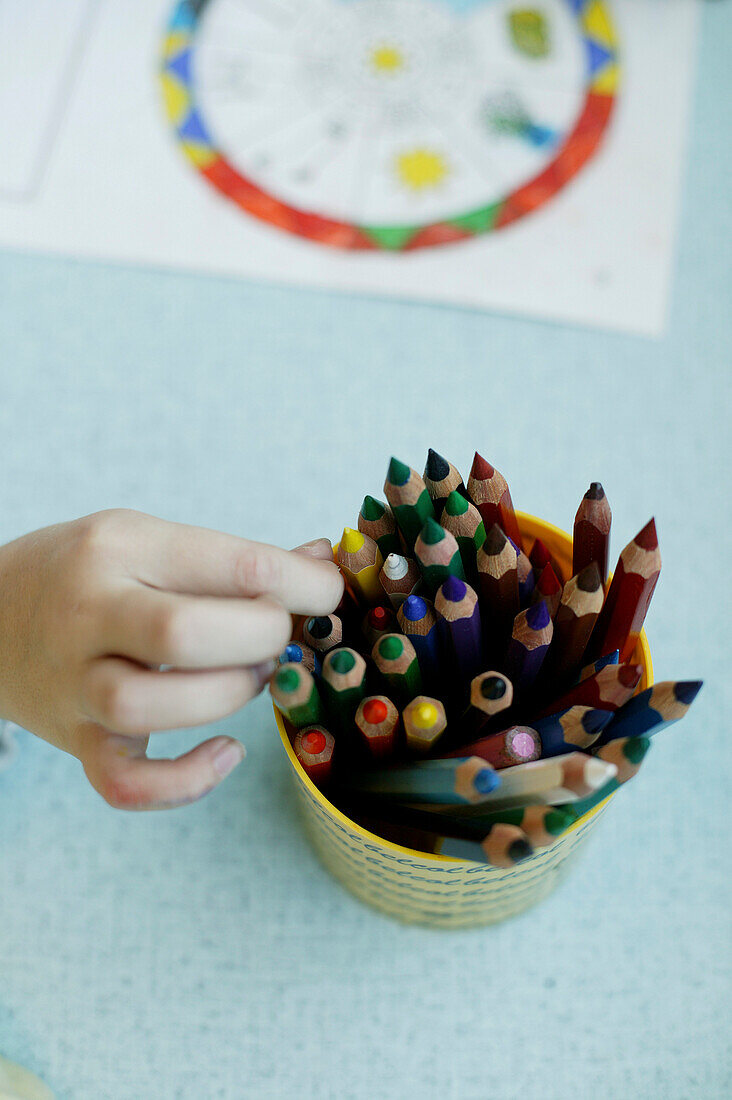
[(459, 781)]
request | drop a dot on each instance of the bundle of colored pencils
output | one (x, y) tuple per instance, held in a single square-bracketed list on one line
[(466, 693)]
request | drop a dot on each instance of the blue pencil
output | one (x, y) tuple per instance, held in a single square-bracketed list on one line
[(297, 653), (652, 711), (461, 781), (420, 624), (576, 727), (530, 640)]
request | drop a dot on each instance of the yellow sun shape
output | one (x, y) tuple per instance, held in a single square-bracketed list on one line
[(421, 168), (386, 59)]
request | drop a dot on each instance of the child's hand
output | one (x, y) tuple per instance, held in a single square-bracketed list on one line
[(90, 610)]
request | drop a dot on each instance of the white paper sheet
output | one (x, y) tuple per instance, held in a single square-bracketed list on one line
[(367, 114)]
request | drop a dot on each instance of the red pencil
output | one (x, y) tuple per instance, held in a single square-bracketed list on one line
[(548, 588), (377, 720), (592, 531), (314, 747), (626, 604), (488, 490)]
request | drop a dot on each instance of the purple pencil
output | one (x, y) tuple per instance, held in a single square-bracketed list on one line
[(457, 605), (532, 633)]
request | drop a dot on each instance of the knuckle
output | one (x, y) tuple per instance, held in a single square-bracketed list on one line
[(257, 571), (100, 532), (171, 632), (117, 706)]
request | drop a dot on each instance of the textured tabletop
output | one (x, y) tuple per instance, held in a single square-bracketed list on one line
[(204, 953)]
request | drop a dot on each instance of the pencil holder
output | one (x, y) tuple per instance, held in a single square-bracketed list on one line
[(434, 890)]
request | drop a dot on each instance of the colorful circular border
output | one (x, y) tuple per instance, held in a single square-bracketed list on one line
[(176, 76)]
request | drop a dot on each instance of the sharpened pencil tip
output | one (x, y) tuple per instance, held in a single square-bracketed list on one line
[(481, 470), (486, 780), (589, 580), (647, 537), (635, 748), (351, 541), (437, 467), (686, 691), (319, 627), (495, 541), (456, 504), (537, 616), (629, 675), (432, 532), (596, 719), (398, 473), (595, 491), (493, 687), (341, 660), (372, 509), (414, 608), (557, 820), (598, 772), (453, 589)]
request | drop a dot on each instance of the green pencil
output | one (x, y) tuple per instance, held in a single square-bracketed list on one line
[(344, 684), (462, 519), (293, 690), (410, 501), (376, 521), (437, 555), (396, 659)]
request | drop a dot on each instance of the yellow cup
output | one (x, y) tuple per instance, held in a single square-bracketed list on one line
[(434, 890)]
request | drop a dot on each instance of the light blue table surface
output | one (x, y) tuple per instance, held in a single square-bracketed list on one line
[(204, 953)]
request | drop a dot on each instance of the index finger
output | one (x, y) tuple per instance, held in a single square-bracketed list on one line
[(198, 561)]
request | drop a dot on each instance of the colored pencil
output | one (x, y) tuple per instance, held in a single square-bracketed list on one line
[(577, 727), (410, 502), (548, 588), (539, 557), (314, 747), (574, 622), (298, 653), (490, 694), (596, 666), (626, 754), (505, 749), (344, 684), (377, 720), (399, 577), (424, 723), (626, 604), (376, 520), (360, 560), (591, 540), (420, 624), (542, 824), (323, 632), (396, 659), (462, 520), (498, 586), (447, 782), (441, 479), (653, 710), (296, 695), (489, 492), (608, 689), (552, 782), (378, 621), (437, 555), (456, 603), (530, 639), (524, 574), (504, 846)]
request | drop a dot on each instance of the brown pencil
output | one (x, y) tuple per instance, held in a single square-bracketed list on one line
[(399, 577), (488, 490), (608, 689), (441, 479), (592, 531), (498, 586), (626, 604), (574, 622)]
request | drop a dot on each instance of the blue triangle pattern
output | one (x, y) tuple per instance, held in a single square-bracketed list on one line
[(597, 55), (192, 129), (181, 66)]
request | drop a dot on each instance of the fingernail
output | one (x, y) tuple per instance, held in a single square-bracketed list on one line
[(264, 672), (228, 756), (316, 548)]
